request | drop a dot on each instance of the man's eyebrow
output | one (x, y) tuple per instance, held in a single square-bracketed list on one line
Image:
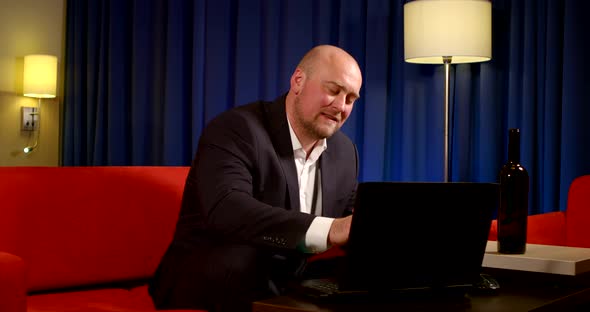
[(341, 86)]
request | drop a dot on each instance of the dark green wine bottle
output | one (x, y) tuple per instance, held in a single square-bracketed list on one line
[(514, 199)]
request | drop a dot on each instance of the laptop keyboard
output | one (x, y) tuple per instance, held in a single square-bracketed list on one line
[(321, 286)]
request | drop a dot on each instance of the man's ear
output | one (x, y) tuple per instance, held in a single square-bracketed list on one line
[(297, 80)]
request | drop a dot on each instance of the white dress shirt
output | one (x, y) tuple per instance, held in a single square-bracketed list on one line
[(316, 237)]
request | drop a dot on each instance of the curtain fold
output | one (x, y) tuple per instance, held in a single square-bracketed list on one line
[(144, 77)]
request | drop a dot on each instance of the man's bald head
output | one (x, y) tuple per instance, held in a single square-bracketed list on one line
[(323, 55)]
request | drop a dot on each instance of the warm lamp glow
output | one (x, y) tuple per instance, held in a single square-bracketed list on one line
[(40, 76), (461, 29)]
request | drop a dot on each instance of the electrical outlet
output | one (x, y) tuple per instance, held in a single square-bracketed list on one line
[(30, 118)]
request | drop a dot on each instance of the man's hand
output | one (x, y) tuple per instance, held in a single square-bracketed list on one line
[(339, 231)]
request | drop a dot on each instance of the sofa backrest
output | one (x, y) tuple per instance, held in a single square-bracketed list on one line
[(578, 213), (78, 226)]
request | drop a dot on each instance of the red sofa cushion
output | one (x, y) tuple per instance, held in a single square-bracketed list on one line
[(113, 300), (544, 229), (87, 225)]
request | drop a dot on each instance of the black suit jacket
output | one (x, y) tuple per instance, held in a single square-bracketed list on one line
[(240, 208)]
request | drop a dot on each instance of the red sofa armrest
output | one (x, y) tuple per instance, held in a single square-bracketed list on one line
[(578, 213), (13, 290), (545, 229)]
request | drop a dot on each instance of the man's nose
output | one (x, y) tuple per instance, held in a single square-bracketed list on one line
[(340, 103)]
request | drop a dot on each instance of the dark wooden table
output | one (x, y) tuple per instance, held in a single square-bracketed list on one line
[(520, 291)]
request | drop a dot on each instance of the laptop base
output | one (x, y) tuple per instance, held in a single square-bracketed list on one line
[(326, 290)]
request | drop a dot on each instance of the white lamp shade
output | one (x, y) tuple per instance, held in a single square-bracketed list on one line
[(40, 76), (461, 29)]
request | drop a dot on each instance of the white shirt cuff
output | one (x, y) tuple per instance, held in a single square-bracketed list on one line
[(316, 237)]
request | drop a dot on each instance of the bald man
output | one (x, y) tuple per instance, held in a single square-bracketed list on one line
[(271, 183)]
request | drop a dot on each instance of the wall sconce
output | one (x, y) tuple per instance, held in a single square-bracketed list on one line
[(39, 81)]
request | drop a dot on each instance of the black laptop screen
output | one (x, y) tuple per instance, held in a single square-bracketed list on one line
[(418, 234)]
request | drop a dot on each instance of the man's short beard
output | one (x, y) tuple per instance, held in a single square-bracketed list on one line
[(310, 127)]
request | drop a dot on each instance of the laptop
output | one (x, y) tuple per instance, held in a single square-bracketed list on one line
[(412, 238)]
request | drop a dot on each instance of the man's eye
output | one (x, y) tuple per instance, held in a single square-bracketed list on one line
[(350, 99)]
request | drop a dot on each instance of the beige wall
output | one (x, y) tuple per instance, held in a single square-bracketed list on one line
[(29, 27)]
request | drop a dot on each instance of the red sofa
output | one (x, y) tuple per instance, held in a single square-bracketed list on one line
[(84, 238), (563, 228)]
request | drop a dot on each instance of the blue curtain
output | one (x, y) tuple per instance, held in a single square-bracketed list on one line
[(144, 77)]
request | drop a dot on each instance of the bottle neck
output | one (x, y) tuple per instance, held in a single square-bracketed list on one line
[(514, 145)]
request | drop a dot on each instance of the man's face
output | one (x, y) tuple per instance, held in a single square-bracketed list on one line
[(326, 99)]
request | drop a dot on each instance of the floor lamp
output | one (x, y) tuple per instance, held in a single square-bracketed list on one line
[(447, 32)]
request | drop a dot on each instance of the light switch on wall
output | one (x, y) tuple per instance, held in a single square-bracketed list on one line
[(30, 117)]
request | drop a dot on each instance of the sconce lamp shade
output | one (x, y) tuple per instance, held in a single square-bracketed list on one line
[(460, 29), (40, 76)]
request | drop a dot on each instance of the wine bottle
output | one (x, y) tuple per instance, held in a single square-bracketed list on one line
[(514, 199)]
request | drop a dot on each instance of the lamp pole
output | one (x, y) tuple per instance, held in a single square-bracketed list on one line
[(447, 62)]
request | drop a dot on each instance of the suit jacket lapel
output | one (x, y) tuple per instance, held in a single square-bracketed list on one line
[(281, 138)]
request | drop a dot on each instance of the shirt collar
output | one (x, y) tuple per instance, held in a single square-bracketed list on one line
[(323, 143)]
